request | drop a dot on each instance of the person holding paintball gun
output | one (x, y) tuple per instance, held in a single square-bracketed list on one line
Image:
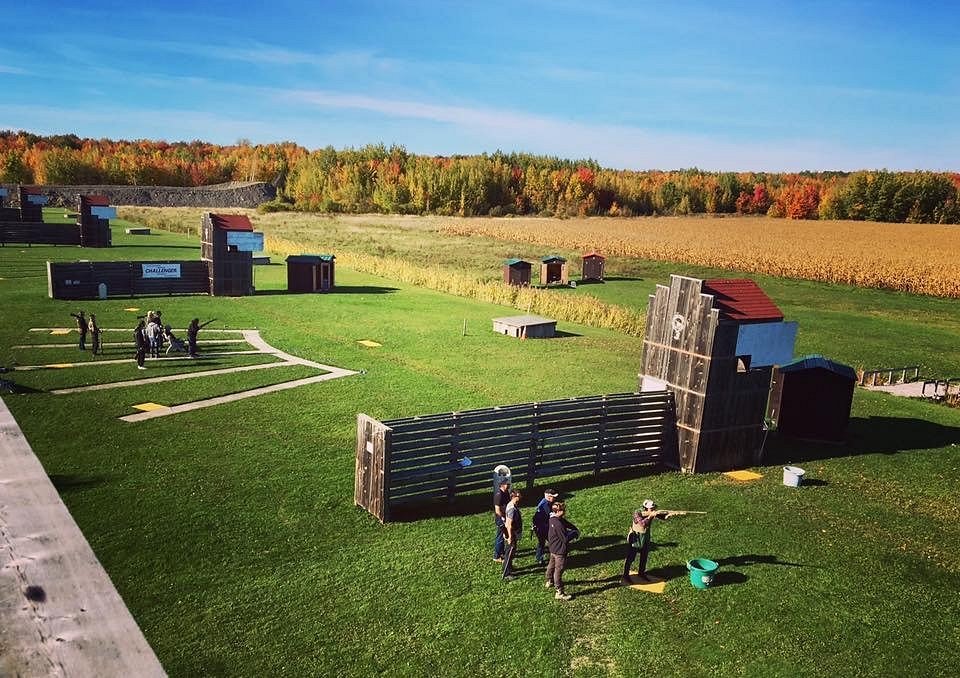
[(193, 329), (639, 540)]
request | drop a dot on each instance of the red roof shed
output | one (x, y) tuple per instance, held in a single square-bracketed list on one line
[(742, 300)]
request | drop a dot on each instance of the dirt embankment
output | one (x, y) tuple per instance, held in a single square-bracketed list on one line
[(234, 194)]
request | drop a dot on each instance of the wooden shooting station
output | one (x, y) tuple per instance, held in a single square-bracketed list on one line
[(227, 245), (553, 270), (811, 398), (592, 267), (310, 272), (516, 272)]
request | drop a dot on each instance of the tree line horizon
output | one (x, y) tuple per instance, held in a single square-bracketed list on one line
[(378, 178)]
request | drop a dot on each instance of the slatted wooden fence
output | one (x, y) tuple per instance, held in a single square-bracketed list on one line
[(38, 233), (439, 456), (81, 280)]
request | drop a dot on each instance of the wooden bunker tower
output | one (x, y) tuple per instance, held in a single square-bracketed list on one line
[(713, 344)]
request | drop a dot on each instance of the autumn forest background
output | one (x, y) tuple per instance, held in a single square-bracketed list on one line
[(377, 178)]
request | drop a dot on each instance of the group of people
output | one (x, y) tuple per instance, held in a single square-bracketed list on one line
[(89, 325), (554, 532), (150, 335)]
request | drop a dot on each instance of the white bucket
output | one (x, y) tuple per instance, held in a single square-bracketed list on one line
[(793, 476)]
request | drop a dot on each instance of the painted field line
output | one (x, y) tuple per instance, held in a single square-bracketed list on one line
[(252, 393), (253, 338), (208, 342), (120, 361), (169, 377)]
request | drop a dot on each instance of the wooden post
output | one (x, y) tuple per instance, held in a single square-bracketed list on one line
[(601, 435), (534, 446)]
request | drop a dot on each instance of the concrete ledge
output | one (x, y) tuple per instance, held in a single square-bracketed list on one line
[(60, 614), (138, 231)]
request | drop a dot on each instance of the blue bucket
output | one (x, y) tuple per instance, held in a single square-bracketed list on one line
[(702, 572)]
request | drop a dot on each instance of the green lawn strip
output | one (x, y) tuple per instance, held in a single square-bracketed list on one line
[(232, 535)]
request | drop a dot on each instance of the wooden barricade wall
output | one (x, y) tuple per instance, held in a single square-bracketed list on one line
[(425, 458), (81, 280), (38, 233)]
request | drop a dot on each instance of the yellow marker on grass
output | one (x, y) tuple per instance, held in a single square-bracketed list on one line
[(149, 407), (367, 342), (743, 476)]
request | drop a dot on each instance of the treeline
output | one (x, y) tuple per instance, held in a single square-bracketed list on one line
[(384, 179)]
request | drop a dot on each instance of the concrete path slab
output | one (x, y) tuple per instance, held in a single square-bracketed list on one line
[(169, 377), (60, 614), (233, 397), (118, 361)]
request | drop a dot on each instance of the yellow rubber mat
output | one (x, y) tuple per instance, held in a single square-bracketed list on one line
[(132, 310), (742, 476), (149, 407), (59, 331), (367, 342), (654, 586)]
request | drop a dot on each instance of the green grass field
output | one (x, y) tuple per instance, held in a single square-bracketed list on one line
[(232, 535)]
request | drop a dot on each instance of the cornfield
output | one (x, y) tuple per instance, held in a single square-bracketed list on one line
[(915, 258)]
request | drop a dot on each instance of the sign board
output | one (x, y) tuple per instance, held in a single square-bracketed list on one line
[(3, 192), (245, 241), (104, 211), (161, 270), (37, 199)]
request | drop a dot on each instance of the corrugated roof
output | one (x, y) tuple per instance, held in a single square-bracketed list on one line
[(231, 222), (553, 258), (816, 361), (741, 300), (514, 262)]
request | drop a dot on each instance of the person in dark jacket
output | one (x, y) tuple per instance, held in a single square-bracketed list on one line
[(541, 524), (513, 528), (193, 329), (95, 332), (81, 328), (140, 341), (559, 535), (500, 500)]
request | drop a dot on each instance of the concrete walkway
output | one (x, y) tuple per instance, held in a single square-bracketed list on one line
[(60, 614)]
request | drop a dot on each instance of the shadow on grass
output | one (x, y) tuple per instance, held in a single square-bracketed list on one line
[(339, 289), (155, 245), (558, 334), (67, 483), (865, 435), (482, 502)]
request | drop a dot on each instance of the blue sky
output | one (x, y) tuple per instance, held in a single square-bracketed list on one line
[(777, 86)]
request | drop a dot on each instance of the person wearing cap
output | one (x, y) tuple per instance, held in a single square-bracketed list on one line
[(541, 524), (513, 528), (560, 533), (500, 500), (638, 539)]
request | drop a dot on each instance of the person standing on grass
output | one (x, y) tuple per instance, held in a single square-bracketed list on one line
[(95, 343), (193, 329), (541, 524), (500, 500), (560, 533), (81, 328), (140, 341), (152, 332), (638, 540), (513, 528)]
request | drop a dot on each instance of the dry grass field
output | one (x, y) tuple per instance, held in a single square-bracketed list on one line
[(916, 258)]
